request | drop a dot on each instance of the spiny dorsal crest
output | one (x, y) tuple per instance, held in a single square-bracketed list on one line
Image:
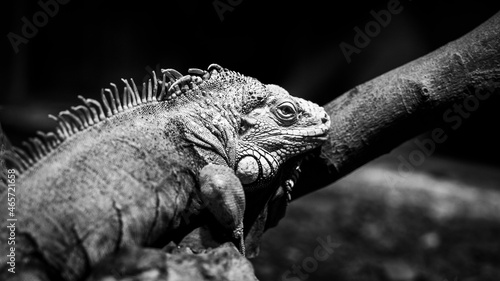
[(173, 87), (248, 91)]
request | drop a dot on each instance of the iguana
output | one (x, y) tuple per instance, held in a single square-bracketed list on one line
[(145, 168)]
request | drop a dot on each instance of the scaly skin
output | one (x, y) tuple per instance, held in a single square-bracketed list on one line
[(125, 173)]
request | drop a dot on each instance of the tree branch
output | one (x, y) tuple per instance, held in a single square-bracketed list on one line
[(373, 118)]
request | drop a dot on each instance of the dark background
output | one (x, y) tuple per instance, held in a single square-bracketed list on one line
[(89, 44)]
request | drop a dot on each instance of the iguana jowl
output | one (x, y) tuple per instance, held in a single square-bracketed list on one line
[(121, 172)]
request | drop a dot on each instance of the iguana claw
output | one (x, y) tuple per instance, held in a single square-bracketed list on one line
[(238, 234)]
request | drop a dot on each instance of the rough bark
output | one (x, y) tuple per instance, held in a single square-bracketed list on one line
[(373, 118)]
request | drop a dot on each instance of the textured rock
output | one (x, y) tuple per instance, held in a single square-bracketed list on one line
[(223, 263)]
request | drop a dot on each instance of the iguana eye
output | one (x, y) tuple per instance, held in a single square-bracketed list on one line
[(286, 111)]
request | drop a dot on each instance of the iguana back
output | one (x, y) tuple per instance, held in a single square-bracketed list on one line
[(100, 186)]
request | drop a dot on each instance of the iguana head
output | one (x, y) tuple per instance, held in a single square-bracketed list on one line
[(255, 128), (274, 130)]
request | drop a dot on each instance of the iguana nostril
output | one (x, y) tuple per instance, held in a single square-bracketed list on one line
[(325, 118)]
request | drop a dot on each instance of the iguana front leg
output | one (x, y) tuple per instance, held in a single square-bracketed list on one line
[(223, 195)]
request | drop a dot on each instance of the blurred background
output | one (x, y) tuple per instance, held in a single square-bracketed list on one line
[(437, 222)]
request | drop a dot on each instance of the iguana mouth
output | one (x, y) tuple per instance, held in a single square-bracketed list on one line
[(322, 137), (319, 134)]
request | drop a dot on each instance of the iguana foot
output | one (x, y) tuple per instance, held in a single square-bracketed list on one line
[(224, 197)]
